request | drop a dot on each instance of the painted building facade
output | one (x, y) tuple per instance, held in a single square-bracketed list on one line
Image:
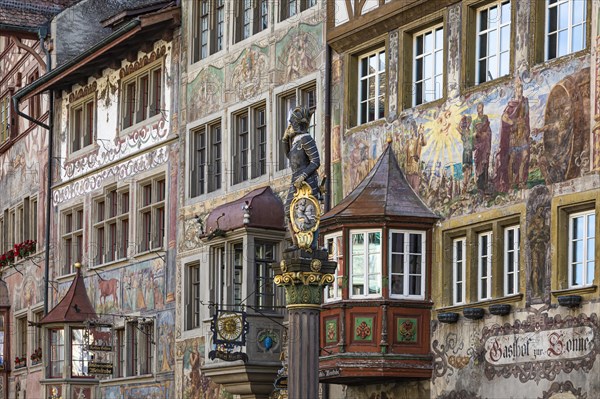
[(490, 111), (245, 65), (23, 183), (113, 210)]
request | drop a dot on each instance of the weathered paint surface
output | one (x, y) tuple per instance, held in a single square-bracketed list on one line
[(468, 166)]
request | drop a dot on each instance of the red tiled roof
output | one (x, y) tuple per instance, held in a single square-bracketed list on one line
[(75, 307)]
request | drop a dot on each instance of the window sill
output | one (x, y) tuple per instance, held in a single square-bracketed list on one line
[(141, 124), (120, 380), (545, 64), (81, 153), (65, 277), (589, 289), (362, 126), (475, 88), (105, 265), (433, 103), (458, 308)]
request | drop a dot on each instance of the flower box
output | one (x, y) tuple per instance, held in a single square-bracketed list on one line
[(448, 317), (473, 313), (500, 309), (569, 301)]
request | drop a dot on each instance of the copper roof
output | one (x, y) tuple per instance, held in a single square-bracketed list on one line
[(385, 192), (266, 211), (75, 307)]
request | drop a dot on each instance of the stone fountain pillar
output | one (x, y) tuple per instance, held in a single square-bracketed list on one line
[(304, 276)]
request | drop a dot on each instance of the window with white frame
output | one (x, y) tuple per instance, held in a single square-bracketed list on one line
[(80, 356), (264, 256), (335, 248), (206, 159), (582, 241), (4, 119), (249, 152), (83, 123), (484, 265), (428, 65), (111, 227), (208, 28), (372, 84), (289, 8), (565, 27), (33, 218), (252, 17), (407, 264), (365, 263), (459, 259), (72, 238), (152, 214), (306, 96), (56, 361), (512, 237), (141, 95), (493, 41)]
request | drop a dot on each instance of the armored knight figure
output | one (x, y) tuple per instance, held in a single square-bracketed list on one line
[(303, 155)]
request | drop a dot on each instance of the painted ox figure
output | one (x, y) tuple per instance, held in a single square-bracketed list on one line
[(108, 288)]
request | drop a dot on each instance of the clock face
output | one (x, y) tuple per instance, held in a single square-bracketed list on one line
[(229, 326)]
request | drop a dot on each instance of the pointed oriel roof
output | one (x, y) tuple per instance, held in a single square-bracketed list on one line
[(383, 193), (75, 307)]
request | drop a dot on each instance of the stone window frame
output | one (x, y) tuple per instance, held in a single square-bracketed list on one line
[(469, 45), (563, 206), (469, 228), (132, 117), (79, 135), (140, 347), (405, 64), (156, 204), (253, 167), (104, 217), (299, 6), (214, 15), (351, 79), (250, 17), (72, 231), (537, 22), (213, 133)]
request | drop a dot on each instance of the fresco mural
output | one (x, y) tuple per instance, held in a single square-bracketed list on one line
[(166, 341), (297, 52), (148, 392), (205, 92), (195, 384), (248, 73), (483, 151)]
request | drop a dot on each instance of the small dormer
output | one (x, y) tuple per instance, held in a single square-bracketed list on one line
[(379, 305)]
